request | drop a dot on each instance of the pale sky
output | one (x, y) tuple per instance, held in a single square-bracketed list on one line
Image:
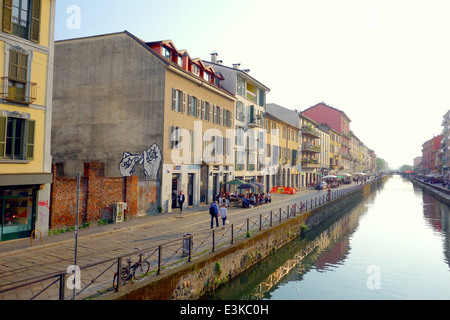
[(385, 63)]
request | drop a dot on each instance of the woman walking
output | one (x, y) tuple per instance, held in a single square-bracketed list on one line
[(223, 214)]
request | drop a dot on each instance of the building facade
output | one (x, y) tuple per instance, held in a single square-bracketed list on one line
[(248, 119), (26, 68), (324, 156), (339, 121), (310, 150), (430, 151), (282, 148), (143, 109), (446, 144), (335, 152)]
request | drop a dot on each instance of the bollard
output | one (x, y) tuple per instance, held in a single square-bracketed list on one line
[(187, 245)]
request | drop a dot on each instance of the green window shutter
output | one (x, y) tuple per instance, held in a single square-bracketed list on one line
[(23, 67), (14, 65), (252, 114), (31, 125), (18, 66), (35, 20), (3, 122), (7, 16)]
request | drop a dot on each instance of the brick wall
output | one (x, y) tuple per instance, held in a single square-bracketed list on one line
[(97, 196)]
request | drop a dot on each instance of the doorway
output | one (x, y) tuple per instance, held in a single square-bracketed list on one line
[(190, 190), (175, 189)]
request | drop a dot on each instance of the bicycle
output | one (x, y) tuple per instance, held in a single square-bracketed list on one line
[(136, 271)]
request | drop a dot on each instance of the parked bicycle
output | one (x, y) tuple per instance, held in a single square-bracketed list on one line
[(136, 271)]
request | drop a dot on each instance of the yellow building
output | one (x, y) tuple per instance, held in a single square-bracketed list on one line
[(335, 151), (282, 147), (26, 64)]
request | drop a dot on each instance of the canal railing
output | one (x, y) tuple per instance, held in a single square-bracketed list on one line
[(95, 279)]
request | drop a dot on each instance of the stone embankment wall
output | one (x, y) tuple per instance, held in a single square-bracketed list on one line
[(203, 275), (441, 195)]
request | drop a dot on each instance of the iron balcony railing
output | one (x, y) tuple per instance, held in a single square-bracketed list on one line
[(18, 91), (311, 131)]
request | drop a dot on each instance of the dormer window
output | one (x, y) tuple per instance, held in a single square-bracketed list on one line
[(165, 53), (180, 61), (195, 69), (206, 76)]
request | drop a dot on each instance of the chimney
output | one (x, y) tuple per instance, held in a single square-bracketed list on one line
[(214, 57), (219, 61), (236, 65)]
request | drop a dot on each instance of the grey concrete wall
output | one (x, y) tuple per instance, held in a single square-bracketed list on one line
[(108, 100)]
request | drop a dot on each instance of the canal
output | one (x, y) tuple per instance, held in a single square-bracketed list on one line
[(392, 245)]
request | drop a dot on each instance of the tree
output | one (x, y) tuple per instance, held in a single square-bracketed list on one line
[(382, 165)]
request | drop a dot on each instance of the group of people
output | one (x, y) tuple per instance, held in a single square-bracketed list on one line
[(251, 200), (214, 211)]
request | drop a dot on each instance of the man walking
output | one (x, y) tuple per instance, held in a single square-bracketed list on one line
[(181, 201), (214, 212)]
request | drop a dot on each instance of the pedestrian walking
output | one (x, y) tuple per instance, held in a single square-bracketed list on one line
[(214, 212), (181, 199), (223, 215), (227, 199)]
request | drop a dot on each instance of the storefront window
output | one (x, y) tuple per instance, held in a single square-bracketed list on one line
[(16, 213)]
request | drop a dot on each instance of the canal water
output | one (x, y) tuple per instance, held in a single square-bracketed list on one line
[(392, 245)]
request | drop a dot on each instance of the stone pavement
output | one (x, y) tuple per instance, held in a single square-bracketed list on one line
[(20, 262)]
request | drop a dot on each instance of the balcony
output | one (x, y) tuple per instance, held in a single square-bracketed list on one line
[(310, 163), (255, 121), (308, 130), (308, 146), (18, 91)]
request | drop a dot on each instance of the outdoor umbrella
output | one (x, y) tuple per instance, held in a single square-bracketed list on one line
[(247, 186), (235, 182), (259, 185), (329, 177)]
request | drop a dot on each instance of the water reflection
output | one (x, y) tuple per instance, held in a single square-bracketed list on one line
[(437, 216), (398, 230)]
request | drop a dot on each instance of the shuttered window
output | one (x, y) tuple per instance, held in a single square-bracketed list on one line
[(22, 18), (17, 138)]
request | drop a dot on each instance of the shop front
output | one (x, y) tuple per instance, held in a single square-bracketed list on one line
[(18, 208)]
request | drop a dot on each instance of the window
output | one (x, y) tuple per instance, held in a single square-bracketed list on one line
[(180, 61), (206, 76), (165, 52), (175, 138), (178, 100), (195, 69), (192, 106), (239, 110), (240, 87), (18, 87), (16, 138), (22, 18)]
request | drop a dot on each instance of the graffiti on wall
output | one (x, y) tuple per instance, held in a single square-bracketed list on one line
[(150, 159)]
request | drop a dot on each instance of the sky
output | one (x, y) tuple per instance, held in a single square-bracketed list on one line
[(385, 63)]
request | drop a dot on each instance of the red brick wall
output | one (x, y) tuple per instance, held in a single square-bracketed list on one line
[(97, 195)]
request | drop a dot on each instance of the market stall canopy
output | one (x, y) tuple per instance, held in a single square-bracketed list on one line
[(236, 182), (248, 186)]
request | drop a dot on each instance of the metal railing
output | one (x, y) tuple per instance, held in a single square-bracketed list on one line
[(97, 278), (18, 91)]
